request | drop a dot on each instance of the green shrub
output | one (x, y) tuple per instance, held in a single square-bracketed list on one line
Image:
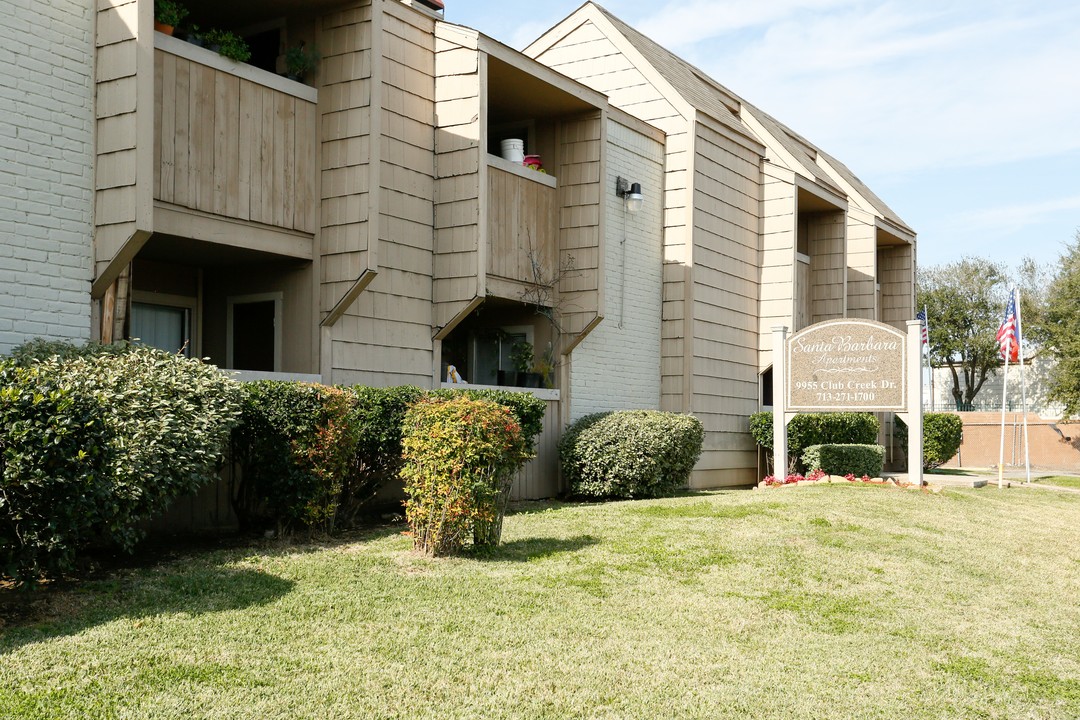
[(296, 445), (379, 415), (38, 349), (460, 457), (844, 459), (630, 453), (228, 44), (806, 429), (528, 409), (942, 435), (55, 480), (165, 423), (170, 418), (169, 12)]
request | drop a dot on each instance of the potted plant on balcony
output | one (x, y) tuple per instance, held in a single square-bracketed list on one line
[(228, 44), (299, 61), (545, 367), (167, 15), (521, 355), (194, 35)]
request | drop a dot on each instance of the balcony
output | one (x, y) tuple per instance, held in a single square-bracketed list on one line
[(232, 144), (523, 225)]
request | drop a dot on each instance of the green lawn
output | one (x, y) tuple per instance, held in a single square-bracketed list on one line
[(1065, 481), (816, 602)]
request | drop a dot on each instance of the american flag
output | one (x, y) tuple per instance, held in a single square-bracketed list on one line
[(1008, 335), (921, 315)]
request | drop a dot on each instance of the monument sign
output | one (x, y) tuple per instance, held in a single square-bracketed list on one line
[(847, 365)]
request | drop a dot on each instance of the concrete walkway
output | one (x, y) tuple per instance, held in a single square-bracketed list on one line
[(987, 477)]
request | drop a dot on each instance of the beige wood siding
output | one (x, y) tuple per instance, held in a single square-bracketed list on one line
[(540, 476), (861, 266), (384, 337), (232, 147), (124, 95), (458, 270), (828, 273), (727, 201), (896, 273), (344, 39), (777, 257), (522, 226), (580, 168)]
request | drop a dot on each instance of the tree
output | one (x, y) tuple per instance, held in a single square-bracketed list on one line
[(1060, 329), (965, 301)]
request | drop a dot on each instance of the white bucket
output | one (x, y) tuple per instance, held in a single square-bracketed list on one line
[(513, 150)]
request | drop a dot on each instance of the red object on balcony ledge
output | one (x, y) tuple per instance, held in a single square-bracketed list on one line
[(433, 4)]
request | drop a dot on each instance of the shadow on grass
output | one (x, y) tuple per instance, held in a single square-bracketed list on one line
[(530, 549), (191, 589), (192, 575)]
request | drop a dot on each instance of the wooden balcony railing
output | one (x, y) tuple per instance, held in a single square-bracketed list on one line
[(522, 221), (233, 140)]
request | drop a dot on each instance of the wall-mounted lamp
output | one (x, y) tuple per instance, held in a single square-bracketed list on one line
[(630, 193)]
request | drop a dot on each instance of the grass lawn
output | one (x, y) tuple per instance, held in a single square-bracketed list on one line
[(1065, 481), (815, 602)]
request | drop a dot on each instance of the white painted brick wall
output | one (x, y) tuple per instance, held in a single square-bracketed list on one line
[(46, 169), (617, 367)]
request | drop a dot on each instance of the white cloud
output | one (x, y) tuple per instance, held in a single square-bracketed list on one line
[(892, 87)]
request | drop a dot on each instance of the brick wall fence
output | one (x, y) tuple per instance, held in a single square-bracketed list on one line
[(1054, 445)]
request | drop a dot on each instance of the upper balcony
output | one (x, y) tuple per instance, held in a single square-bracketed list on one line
[(503, 231), (522, 225), (232, 143), (196, 147)]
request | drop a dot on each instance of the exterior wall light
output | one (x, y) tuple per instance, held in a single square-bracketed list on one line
[(630, 193)]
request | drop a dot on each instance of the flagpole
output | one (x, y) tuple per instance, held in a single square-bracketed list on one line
[(1023, 385), (1001, 451), (929, 367)]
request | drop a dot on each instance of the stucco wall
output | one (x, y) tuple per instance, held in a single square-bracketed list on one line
[(46, 179), (617, 367)]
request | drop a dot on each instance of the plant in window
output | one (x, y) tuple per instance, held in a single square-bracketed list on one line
[(168, 14), (194, 35), (545, 366), (299, 62), (228, 44), (521, 355)]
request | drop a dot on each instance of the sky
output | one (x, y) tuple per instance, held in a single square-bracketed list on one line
[(964, 117)]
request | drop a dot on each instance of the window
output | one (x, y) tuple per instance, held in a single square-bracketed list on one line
[(492, 352), (163, 321)]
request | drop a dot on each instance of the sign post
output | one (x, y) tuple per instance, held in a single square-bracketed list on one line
[(848, 365), (913, 416), (779, 416)]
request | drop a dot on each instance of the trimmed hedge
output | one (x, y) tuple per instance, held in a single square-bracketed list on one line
[(630, 453), (296, 445), (55, 480), (158, 422), (379, 414), (942, 435), (460, 458), (844, 459), (284, 423), (806, 429)]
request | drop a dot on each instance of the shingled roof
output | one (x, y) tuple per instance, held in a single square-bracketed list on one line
[(716, 101)]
